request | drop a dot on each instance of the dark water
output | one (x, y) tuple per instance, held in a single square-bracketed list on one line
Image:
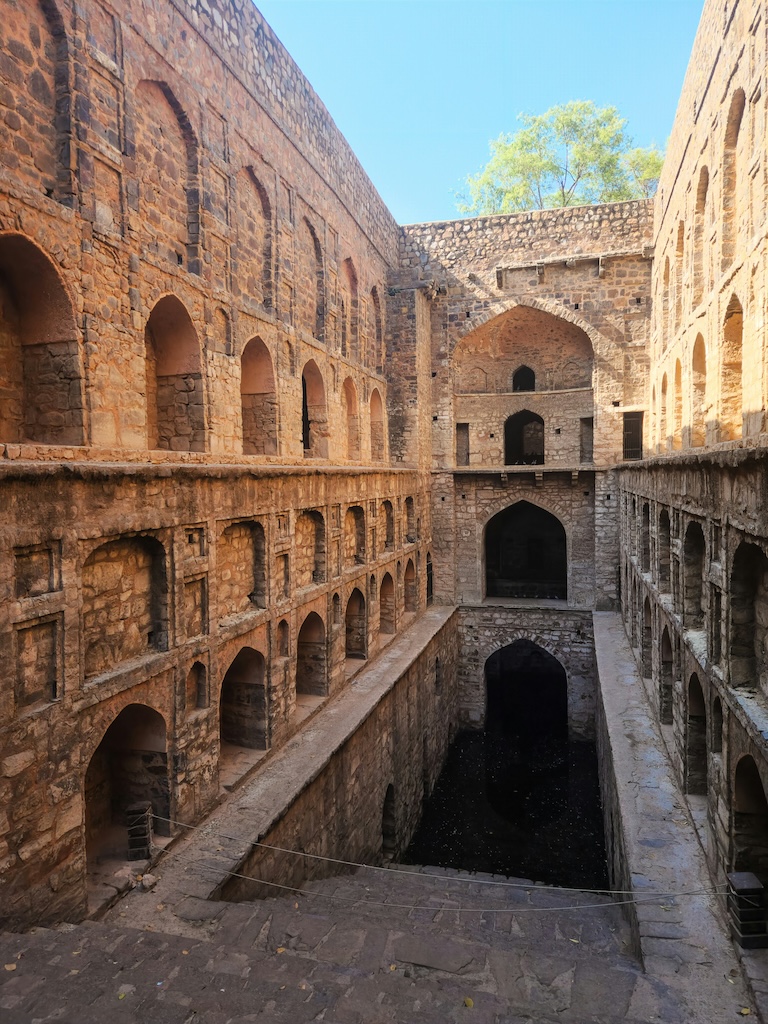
[(520, 806)]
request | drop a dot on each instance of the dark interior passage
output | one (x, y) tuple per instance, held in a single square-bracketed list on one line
[(526, 554), (519, 798), (128, 769)]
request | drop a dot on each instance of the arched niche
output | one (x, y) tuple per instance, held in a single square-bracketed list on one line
[(258, 396), (314, 412), (526, 554), (127, 774), (351, 418), (243, 702), (387, 605), (750, 820), (312, 658), (695, 739), (378, 443), (174, 380), (41, 385), (356, 624)]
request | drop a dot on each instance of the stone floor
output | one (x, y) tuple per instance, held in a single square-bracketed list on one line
[(374, 947)]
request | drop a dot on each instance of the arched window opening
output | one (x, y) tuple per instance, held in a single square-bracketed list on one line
[(243, 705), (664, 552), (694, 550), (312, 658), (750, 820), (387, 521), (526, 554), (283, 638), (677, 432), (524, 379), (430, 580), (717, 726), (646, 653), (174, 381), (314, 415), (749, 618), (377, 427), (387, 608), (388, 827), (524, 439), (241, 564), (645, 539), (196, 690), (411, 590), (731, 171), (351, 418), (731, 375), (699, 397), (410, 521), (666, 679), (699, 239), (41, 388), (125, 603), (354, 536), (696, 739), (356, 626), (127, 787), (259, 400), (309, 558)]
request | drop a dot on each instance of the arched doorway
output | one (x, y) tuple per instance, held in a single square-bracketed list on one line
[(696, 739), (750, 820), (387, 607), (524, 439), (311, 658), (356, 643), (259, 400), (526, 554), (127, 776), (243, 705)]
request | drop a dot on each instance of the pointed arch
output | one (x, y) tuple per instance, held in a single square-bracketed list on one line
[(731, 412), (731, 174), (258, 397), (378, 443), (174, 380), (254, 220), (699, 395), (351, 418), (699, 236), (314, 412), (41, 380)]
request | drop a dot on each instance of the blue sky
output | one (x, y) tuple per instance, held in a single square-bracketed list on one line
[(419, 87)]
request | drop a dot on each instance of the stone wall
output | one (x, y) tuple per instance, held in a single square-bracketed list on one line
[(121, 587), (710, 709), (400, 746), (565, 634)]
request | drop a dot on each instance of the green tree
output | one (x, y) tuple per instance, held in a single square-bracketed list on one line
[(575, 154)]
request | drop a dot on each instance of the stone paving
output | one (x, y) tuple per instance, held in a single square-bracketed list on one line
[(357, 952)]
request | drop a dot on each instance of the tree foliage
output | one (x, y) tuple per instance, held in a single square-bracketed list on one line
[(574, 154)]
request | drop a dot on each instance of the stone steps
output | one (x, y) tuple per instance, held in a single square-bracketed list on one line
[(518, 955)]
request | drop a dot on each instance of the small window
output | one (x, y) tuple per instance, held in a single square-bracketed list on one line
[(524, 379), (633, 435), (462, 444)]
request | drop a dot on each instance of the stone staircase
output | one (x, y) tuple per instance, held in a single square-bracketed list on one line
[(367, 948)]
